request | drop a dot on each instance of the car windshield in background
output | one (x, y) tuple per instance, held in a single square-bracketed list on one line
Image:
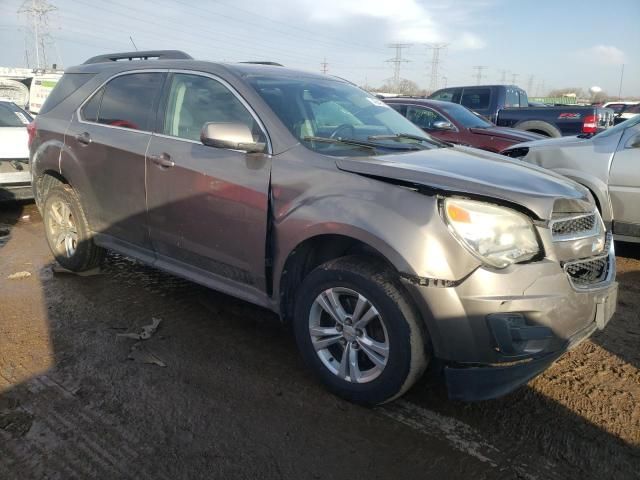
[(464, 116), (336, 118), (13, 116), (632, 122)]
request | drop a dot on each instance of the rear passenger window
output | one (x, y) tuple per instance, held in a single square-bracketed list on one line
[(90, 110), (128, 101), (511, 98), (476, 98), (195, 100)]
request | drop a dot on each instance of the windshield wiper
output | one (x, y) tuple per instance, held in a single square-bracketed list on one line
[(359, 143), (408, 136)]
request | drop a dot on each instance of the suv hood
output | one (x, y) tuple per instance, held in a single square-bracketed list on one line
[(467, 171)]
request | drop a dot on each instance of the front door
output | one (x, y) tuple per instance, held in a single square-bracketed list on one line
[(624, 184), (110, 140), (207, 206)]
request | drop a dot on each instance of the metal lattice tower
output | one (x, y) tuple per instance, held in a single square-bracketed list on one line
[(397, 62), (479, 69), (435, 63), (38, 12), (530, 83), (503, 76), (514, 78), (324, 66)]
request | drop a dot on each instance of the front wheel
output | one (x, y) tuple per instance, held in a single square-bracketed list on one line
[(358, 331), (68, 232)]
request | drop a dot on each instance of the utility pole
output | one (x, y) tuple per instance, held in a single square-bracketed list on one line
[(479, 69), (620, 87), (324, 66), (435, 62), (503, 76), (38, 11), (397, 61), (514, 78)]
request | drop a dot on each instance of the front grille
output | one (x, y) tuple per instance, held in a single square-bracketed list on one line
[(591, 271), (582, 225)]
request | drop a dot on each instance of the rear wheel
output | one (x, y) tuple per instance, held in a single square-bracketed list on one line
[(539, 127), (67, 230), (358, 331)]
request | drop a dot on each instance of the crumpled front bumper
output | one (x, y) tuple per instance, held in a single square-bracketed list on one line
[(498, 329)]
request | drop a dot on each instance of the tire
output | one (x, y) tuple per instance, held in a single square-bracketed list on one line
[(378, 378), (537, 126), (67, 230)]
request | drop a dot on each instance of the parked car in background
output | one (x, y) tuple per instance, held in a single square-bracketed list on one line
[(15, 176), (608, 164), (508, 106), (623, 110), (383, 247), (456, 124)]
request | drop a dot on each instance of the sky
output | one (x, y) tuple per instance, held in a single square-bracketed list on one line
[(541, 44)]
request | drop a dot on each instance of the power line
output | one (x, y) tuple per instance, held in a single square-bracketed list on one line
[(38, 11), (397, 61), (479, 69), (435, 62)]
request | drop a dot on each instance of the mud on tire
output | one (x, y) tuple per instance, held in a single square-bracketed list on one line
[(67, 230), (406, 337)]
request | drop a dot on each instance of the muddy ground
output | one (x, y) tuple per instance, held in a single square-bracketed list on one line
[(234, 401)]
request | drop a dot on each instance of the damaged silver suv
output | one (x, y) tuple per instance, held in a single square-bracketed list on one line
[(384, 248)]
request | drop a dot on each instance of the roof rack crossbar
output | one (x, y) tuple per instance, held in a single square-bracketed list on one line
[(260, 62), (140, 55)]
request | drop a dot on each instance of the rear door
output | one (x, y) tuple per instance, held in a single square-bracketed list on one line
[(207, 206), (109, 141), (624, 183)]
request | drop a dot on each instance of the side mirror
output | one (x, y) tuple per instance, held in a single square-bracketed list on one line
[(234, 136), (442, 125)]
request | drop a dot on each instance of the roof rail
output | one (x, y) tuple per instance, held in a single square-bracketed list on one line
[(273, 64), (141, 55)]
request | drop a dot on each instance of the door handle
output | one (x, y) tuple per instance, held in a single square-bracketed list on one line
[(163, 160), (84, 138)]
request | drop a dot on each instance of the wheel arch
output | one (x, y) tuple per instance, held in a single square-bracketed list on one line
[(599, 190), (317, 249), (541, 127)]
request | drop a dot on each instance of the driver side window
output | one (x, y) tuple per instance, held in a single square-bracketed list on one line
[(424, 117), (194, 100)]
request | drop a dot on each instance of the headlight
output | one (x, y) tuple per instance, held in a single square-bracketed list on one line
[(497, 235)]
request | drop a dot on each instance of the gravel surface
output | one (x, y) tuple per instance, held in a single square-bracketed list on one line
[(218, 390)]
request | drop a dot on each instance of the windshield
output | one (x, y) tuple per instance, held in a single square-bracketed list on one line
[(13, 116), (464, 116), (632, 122), (336, 118)]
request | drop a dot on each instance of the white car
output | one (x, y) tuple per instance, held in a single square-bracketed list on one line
[(15, 175)]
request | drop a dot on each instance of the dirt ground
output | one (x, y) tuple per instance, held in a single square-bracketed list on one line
[(220, 392)]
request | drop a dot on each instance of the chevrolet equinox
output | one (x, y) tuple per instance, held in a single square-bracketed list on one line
[(383, 248)]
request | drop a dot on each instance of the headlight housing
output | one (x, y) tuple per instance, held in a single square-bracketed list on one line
[(498, 236)]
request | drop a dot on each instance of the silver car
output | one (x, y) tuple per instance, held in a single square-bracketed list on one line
[(608, 164)]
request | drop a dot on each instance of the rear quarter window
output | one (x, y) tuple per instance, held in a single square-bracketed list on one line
[(69, 83), (476, 98)]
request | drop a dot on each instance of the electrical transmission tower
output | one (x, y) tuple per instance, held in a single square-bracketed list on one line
[(530, 83), (38, 12), (514, 78), (479, 69), (503, 76), (435, 62), (444, 81), (397, 62), (324, 66)]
